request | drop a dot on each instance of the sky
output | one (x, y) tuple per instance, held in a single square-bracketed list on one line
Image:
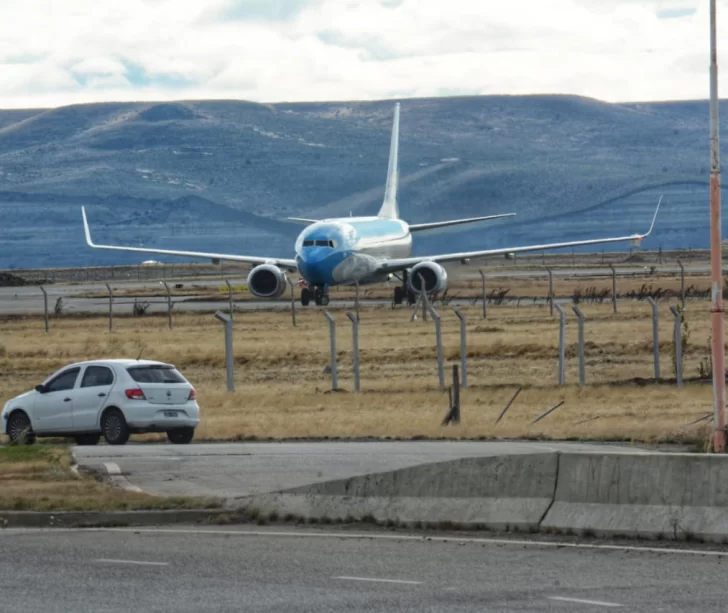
[(55, 53)]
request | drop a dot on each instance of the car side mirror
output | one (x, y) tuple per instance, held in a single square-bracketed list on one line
[(41, 389)]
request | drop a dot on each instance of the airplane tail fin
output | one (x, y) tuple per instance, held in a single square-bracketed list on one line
[(389, 208)]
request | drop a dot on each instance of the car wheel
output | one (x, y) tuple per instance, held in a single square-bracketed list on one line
[(180, 436), (87, 439), (19, 429), (114, 426)]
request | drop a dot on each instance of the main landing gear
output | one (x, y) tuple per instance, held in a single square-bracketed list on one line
[(403, 291), (319, 294)]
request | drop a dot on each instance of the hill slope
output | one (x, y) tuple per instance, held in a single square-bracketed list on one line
[(223, 175)]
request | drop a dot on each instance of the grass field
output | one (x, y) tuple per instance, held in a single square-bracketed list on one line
[(283, 391), (39, 478)]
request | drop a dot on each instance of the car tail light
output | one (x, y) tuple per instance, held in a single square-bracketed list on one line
[(135, 394), (193, 394)]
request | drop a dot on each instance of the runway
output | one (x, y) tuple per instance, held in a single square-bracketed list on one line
[(216, 570), (234, 470)]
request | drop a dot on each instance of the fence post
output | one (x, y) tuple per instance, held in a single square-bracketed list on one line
[(678, 345), (169, 303), (463, 347), (45, 306), (438, 340), (551, 292), (332, 332), (356, 301), (425, 300), (655, 337), (482, 277), (230, 298), (682, 283), (562, 345), (111, 307), (417, 307), (293, 302), (614, 288), (229, 365), (355, 346), (453, 414), (582, 373)]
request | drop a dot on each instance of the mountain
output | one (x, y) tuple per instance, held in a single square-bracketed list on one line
[(223, 175)]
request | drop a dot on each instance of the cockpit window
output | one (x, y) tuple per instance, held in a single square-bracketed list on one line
[(319, 243)]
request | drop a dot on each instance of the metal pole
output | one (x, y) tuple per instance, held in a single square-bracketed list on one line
[(482, 277), (229, 362), (678, 345), (425, 301), (169, 303), (456, 395), (332, 332), (293, 303), (614, 288), (45, 306), (417, 307), (356, 301), (551, 292), (582, 374), (111, 307), (355, 340), (438, 339), (655, 337), (230, 298), (715, 248), (562, 345), (463, 347), (682, 283)]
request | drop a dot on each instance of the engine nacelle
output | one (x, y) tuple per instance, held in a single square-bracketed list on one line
[(267, 281), (434, 275)]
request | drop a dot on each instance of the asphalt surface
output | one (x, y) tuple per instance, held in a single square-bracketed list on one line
[(28, 300), (232, 470), (217, 570)]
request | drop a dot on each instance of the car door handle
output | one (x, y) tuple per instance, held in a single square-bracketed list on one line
[(101, 394), (66, 400)]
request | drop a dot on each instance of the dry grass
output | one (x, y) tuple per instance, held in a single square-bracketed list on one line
[(283, 391), (39, 478)]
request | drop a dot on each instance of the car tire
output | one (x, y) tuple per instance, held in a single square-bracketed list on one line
[(19, 429), (87, 439), (114, 427), (180, 436)]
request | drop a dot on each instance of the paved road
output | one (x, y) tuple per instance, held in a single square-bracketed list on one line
[(231, 470), (217, 570)]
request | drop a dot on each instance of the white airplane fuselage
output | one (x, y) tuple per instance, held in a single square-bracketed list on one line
[(350, 249)]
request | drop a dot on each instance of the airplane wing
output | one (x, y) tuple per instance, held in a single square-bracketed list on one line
[(247, 259), (394, 265), (454, 222)]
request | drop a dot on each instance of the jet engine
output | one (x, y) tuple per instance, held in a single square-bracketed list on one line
[(434, 275), (267, 281)]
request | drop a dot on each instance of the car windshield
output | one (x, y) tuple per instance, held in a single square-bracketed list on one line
[(155, 374)]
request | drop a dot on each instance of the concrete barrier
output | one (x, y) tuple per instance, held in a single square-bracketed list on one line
[(499, 492), (674, 496)]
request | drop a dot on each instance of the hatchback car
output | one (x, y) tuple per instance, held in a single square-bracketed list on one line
[(115, 398)]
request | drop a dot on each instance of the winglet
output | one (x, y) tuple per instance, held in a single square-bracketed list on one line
[(86, 229), (389, 208), (654, 219)]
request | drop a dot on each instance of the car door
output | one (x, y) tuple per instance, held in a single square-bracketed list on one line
[(53, 409), (90, 396)]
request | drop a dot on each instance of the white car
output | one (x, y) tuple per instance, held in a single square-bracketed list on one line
[(111, 397)]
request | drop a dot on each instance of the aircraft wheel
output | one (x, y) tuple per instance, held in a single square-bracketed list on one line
[(398, 295), (305, 296)]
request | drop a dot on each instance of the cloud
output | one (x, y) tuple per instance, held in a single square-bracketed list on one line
[(54, 53)]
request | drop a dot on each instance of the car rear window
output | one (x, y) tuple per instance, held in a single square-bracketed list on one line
[(155, 374)]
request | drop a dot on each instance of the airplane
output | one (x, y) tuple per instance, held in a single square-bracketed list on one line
[(363, 250)]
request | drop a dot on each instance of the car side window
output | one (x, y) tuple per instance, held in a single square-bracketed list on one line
[(97, 376), (65, 381)]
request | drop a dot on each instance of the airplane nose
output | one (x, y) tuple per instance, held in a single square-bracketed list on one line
[(313, 266)]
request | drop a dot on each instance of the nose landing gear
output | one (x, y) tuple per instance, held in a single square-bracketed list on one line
[(319, 294)]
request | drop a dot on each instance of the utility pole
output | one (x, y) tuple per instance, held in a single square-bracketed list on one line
[(715, 248)]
